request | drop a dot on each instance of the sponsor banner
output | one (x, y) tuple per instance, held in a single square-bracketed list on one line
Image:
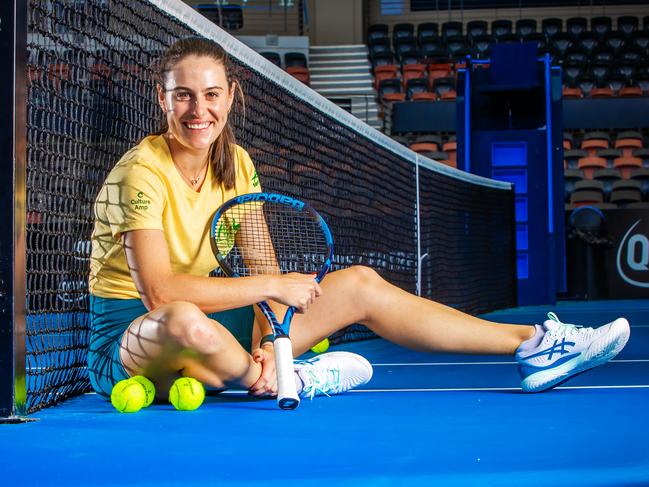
[(628, 259)]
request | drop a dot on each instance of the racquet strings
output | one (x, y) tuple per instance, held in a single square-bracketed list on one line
[(256, 238)]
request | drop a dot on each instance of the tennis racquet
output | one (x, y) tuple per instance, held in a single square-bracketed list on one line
[(268, 233)]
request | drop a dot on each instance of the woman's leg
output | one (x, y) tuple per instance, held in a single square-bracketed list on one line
[(179, 339), (360, 295)]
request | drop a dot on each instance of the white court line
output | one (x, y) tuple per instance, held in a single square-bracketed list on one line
[(463, 389), (434, 364)]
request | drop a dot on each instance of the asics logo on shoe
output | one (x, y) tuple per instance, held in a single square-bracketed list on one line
[(558, 348)]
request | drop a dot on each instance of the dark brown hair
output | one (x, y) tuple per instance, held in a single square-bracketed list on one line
[(221, 153)]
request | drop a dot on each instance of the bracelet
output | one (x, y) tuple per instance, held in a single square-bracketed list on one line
[(267, 339)]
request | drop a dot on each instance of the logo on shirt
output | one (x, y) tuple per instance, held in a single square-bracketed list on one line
[(255, 179), (141, 203)]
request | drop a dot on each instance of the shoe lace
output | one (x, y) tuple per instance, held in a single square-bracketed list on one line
[(320, 380), (566, 329)]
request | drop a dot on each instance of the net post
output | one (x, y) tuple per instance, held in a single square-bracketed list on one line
[(13, 152), (418, 227)]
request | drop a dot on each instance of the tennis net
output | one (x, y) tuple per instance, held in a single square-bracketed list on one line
[(91, 97)]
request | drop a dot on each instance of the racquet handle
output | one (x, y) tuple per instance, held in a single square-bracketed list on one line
[(287, 397)]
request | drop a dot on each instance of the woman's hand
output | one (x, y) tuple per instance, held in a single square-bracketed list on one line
[(298, 290), (266, 385)]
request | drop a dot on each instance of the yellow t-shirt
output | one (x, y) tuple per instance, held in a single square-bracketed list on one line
[(145, 191)]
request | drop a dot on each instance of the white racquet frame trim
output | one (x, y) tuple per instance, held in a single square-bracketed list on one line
[(287, 397)]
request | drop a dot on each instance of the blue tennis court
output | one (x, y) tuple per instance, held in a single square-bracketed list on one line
[(423, 420)]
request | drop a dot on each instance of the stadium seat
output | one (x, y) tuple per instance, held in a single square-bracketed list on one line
[(625, 192), (639, 41), (630, 92), (627, 70), (273, 57), (390, 90), (642, 82), (410, 56), (560, 43), (571, 158), (476, 28), (451, 149), (607, 177), (587, 193), (425, 143), (539, 39), (609, 155), (445, 88), (404, 30), (403, 45), (593, 141), (388, 71), (426, 29), (431, 46), (456, 44), (295, 59), (379, 46), (641, 174), (615, 41), (424, 96), (590, 164), (300, 73), (587, 42), (413, 71), (573, 92), (571, 72), (603, 55), (601, 92), (501, 27), (586, 83), (642, 154), (600, 71), (382, 59), (525, 27), (451, 28), (416, 85), (575, 26), (627, 142), (567, 141), (570, 178), (551, 27), (438, 70), (632, 55), (377, 32), (576, 55), (482, 46), (627, 24), (601, 26)]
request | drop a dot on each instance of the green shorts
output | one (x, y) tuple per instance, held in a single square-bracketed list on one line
[(109, 319)]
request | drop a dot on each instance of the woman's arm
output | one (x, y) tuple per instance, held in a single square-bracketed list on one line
[(147, 256)]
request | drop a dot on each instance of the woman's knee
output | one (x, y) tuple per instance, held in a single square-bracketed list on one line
[(362, 277), (188, 326)]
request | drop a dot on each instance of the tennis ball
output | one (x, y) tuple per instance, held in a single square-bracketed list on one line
[(321, 347), (128, 396), (186, 394), (149, 389)]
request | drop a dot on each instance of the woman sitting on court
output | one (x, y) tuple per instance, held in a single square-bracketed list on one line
[(156, 312)]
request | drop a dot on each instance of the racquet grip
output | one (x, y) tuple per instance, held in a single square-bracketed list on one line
[(287, 397)]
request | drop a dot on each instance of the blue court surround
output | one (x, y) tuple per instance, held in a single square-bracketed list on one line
[(424, 419)]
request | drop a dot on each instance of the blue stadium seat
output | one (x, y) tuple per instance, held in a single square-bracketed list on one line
[(525, 27), (575, 26)]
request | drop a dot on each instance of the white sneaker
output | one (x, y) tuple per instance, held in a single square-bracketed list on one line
[(332, 373), (560, 351)]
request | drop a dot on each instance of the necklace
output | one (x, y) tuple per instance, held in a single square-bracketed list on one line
[(196, 179)]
